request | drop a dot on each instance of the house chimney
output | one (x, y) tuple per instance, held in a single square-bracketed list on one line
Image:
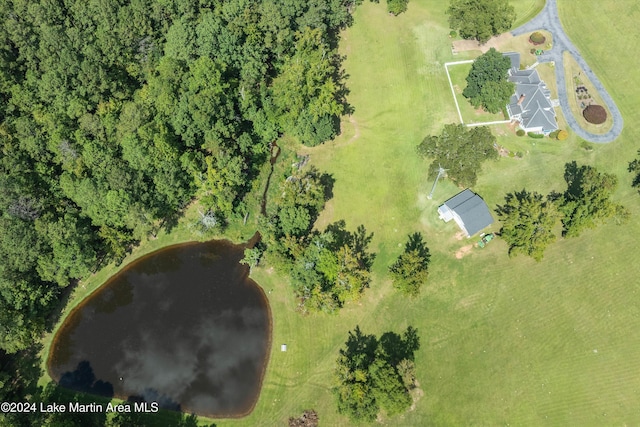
[(521, 99)]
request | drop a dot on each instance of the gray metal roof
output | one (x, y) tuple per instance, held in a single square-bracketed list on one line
[(472, 210)]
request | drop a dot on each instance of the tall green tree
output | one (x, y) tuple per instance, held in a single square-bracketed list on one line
[(368, 375), (460, 150), (587, 201), (528, 220), (332, 268), (411, 269), (634, 167), (396, 7), (481, 19), (487, 84)]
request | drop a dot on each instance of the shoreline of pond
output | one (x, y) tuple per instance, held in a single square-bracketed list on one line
[(74, 306)]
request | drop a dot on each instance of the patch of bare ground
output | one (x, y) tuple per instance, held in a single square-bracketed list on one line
[(356, 129), (463, 251), (459, 235), (416, 395), (468, 301), (467, 45), (342, 140)]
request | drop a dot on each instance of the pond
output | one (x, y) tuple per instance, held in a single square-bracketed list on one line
[(184, 327)]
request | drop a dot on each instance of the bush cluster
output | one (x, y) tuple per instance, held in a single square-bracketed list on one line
[(520, 132), (537, 38), (535, 135), (595, 114)]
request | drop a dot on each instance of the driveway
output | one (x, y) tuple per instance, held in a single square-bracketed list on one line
[(549, 20)]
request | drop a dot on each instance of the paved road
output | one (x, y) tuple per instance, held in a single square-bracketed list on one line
[(549, 20)]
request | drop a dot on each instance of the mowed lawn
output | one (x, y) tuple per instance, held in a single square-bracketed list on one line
[(504, 341)]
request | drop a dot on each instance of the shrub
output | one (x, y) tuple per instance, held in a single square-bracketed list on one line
[(535, 135), (537, 38), (595, 114), (520, 132), (519, 154), (562, 135), (554, 134), (586, 146), (453, 33), (511, 154), (532, 51)]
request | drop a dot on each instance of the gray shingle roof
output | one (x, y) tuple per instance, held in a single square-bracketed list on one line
[(535, 109), (514, 57), (472, 210)]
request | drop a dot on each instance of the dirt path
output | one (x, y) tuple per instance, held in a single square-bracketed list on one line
[(356, 129)]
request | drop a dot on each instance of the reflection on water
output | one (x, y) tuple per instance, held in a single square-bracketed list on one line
[(183, 327)]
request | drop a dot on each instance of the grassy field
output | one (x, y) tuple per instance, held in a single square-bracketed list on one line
[(525, 10), (504, 341)]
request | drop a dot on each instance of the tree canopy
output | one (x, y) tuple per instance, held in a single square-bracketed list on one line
[(116, 115), (587, 201), (487, 84), (396, 7), (411, 268), (332, 268), (528, 220), (481, 19), (375, 374), (461, 150)]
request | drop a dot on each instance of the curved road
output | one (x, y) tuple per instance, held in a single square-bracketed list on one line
[(549, 20)]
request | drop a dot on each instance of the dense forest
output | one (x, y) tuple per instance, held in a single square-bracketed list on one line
[(116, 114)]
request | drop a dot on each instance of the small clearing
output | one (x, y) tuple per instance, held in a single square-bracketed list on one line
[(463, 251), (467, 45)]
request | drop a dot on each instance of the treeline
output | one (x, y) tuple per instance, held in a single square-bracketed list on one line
[(116, 114)]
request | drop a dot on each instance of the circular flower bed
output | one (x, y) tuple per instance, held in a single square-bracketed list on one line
[(537, 38), (595, 114)]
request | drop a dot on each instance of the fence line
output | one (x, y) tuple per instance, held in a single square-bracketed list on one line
[(453, 92), (499, 122)]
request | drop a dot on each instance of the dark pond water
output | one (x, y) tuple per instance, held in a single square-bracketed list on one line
[(184, 327)]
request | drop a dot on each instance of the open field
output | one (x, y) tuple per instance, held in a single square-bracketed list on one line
[(504, 341), (571, 70)]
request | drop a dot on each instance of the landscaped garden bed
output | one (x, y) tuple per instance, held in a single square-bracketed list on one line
[(584, 100)]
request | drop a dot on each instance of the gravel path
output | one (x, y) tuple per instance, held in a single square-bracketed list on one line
[(549, 20)]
